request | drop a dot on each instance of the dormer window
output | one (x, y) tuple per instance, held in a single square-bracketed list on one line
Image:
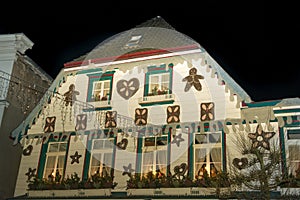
[(133, 42)]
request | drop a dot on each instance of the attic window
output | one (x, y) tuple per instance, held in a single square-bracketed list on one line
[(134, 41)]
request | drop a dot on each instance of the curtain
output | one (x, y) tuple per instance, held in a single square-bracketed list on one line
[(147, 162), (161, 161), (216, 157)]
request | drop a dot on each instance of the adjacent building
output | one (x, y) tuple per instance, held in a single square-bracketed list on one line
[(22, 84)]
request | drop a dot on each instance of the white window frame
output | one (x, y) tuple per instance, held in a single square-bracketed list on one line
[(102, 151), (159, 83), (291, 142), (208, 147), (57, 154), (155, 149), (101, 90)]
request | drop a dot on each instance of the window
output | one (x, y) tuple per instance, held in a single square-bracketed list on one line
[(294, 158), (158, 85), (133, 42), (155, 155), (101, 90), (101, 157), (293, 147), (55, 160), (208, 154)]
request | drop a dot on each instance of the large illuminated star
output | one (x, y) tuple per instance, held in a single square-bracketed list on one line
[(261, 138)]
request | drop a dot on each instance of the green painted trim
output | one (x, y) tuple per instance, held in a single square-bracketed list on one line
[(113, 160), (86, 71), (42, 160), (157, 103), (224, 151), (138, 162), (262, 104), (283, 153), (287, 111), (87, 159), (191, 154), (169, 151), (293, 131)]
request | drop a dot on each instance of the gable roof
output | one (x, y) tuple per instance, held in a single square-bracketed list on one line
[(157, 37)]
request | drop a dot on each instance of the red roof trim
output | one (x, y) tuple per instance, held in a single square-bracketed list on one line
[(132, 55)]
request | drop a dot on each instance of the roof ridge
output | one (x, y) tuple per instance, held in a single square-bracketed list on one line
[(157, 21)]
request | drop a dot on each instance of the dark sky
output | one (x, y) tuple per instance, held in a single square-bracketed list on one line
[(254, 41)]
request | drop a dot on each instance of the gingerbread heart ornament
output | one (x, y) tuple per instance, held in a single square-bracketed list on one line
[(127, 89)]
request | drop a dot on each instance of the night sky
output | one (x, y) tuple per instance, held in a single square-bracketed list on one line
[(254, 41)]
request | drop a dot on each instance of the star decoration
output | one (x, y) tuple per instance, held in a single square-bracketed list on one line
[(128, 170), (173, 113), (75, 157), (207, 111), (261, 138), (30, 173), (177, 139)]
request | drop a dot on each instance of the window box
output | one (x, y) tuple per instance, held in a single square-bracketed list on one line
[(186, 191), (157, 99), (289, 191), (70, 193)]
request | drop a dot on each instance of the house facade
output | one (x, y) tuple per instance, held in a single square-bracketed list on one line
[(149, 101), (22, 84)]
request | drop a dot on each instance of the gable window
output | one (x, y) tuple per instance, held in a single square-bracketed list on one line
[(154, 155), (133, 42), (101, 157), (158, 85), (55, 160), (207, 154), (100, 89)]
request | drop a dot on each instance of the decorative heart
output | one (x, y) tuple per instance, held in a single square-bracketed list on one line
[(240, 163), (122, 144), (181, 169), (28, 150), (127, 89)]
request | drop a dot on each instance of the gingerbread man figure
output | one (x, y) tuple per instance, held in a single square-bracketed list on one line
[(193, 80), (70, 96)]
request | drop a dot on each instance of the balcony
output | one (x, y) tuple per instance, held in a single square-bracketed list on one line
[(157, 99)]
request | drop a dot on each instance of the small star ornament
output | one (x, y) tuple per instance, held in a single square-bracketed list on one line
[(30, 173), (177, 139), (75, 157), (127, 170), (261, 138)]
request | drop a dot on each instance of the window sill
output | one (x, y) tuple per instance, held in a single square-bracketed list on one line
[(99, 105), (157, 100)]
